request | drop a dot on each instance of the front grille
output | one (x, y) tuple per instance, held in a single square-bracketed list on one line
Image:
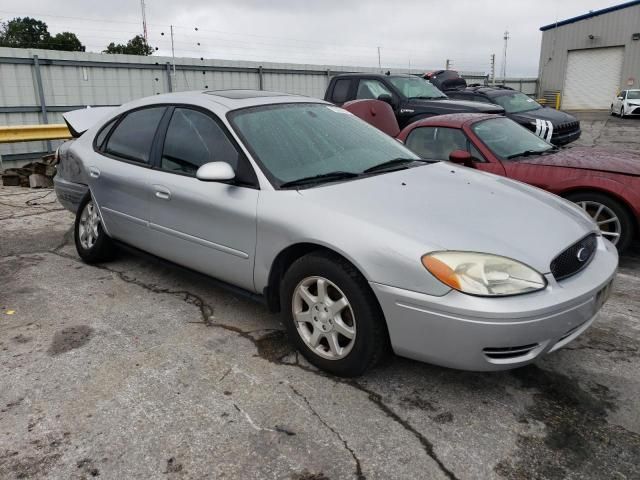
[(506, 353), (574, 258), (565, 128)]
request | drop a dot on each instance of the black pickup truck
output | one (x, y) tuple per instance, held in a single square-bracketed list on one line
[(411, 97)]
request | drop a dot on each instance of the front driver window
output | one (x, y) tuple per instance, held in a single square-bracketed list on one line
[(193, 139), (436, 143), (371, 89)]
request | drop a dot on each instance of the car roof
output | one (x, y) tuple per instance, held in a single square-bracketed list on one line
[(222, 101), (491, 91), (455, 120), (376, 75)]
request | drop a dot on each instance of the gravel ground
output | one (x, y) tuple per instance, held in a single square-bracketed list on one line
[(134, 369)]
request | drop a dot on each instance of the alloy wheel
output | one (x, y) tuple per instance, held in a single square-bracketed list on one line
[(88, 226), (324, 318), (608, 222)]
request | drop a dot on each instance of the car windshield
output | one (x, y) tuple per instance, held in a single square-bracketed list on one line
[(507, 139), (516, 102), (304, 140), (633, 95), (414, 87)]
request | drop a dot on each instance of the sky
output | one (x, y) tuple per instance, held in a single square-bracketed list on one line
[(411, 34)]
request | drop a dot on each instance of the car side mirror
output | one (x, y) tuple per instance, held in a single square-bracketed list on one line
[(386, 98), (215, 172), (462, 157), (620, 98)]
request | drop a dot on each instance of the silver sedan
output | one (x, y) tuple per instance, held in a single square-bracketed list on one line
[(361, 245)]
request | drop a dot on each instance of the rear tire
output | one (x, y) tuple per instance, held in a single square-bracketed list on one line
[(623, 223), (346, 343), (92, 243)]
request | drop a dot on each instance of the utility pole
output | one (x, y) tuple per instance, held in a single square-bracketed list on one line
[(493, 69), (173, 54), (448, 64), (144, 20), (379, 62), (504, 56)]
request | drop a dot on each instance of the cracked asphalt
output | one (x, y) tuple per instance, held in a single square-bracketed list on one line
[(135, 369)]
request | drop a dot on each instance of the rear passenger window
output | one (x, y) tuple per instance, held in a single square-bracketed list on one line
[(193, 139), (133, 136), (104, 132), (341, 91)]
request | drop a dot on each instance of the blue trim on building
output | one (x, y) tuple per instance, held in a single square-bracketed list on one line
[(591, 15)]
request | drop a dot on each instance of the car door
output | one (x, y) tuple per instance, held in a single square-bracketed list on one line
[(118, 173), (207, 226), (437, 143), (619, 101)]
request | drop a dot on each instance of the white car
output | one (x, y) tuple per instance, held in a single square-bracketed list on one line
[(626, 103)]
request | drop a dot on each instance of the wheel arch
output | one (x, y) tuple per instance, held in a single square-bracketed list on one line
[(615, 196), (285, 258)]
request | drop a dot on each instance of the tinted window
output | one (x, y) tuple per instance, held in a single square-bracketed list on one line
[(414, 87), (436, 142), (516, 102), (133, 136), (104, 132), (371, 89), (193, 139), (481, 98), (341, 90)]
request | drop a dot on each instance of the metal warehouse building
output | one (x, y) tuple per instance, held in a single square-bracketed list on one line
[(590, 58)]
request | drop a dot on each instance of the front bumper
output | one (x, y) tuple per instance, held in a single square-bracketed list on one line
[(483, 334)]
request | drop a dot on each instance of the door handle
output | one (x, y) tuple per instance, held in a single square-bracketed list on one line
[(162, 193), (94, 172)]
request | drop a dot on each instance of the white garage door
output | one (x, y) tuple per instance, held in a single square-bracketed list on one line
[(592, 79)]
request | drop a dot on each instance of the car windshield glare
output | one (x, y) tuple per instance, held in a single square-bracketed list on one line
[(414, 87), (633, 95), (516, 102), (302, 140), (507, 139)]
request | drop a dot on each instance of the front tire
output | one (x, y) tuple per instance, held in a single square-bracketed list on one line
[(613, 219), (621, 112), (92, 243), (332, 316)]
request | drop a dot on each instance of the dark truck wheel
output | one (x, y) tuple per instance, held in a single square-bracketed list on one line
[(92, 243), (332, 316)]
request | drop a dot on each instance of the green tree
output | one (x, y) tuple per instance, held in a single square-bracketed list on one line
[(67, 41), (136, 46), (28, 32), (24, 33)]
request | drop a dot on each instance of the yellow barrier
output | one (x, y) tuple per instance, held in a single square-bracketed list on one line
[(30, 133)]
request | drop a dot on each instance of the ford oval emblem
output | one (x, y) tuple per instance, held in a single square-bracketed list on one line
[(582, 254)]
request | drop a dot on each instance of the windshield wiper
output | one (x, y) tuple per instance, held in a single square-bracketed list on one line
[(394, 164), (424, 97), (329, 176), (528, 153)]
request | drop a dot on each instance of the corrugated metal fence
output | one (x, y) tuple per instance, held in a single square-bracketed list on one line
[(37, 86)]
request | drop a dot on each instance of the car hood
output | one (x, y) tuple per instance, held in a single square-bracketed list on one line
[(455, 106), (556, 117), (615, 161), (448, 207)]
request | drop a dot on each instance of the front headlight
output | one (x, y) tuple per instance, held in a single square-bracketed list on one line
[(482, 273)]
